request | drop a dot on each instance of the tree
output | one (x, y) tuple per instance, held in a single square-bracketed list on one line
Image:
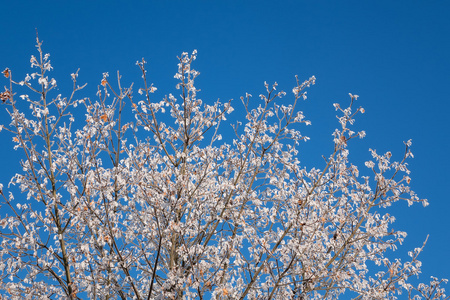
[(144, 200)]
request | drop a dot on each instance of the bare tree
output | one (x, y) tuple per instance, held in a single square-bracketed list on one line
[(142, 199)]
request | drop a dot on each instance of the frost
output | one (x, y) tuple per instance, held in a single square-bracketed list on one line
[(110, 212)]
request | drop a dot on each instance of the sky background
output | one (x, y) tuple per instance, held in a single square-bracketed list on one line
[(394, 54)]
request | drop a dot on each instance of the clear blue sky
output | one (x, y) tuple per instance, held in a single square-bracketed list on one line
[(394, 54)]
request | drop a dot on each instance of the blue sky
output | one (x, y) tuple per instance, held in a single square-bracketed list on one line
[(394, 54)]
